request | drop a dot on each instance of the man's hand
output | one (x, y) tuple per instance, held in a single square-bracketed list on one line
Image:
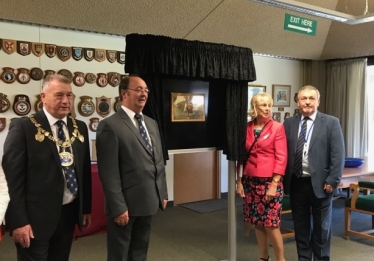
[(165, 203), (22, 235), (122, 219), (86, 221), (328, 188)]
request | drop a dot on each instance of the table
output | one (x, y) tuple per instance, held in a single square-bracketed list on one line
[(98, 218), (365, 172)]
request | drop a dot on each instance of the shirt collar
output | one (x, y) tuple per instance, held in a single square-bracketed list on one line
[(312, 117), (52, 120), (130, 113)]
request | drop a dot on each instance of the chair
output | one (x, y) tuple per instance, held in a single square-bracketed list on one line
[(286, 209), (362, 204)]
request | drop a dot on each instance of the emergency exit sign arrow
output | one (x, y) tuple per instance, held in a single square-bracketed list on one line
[(300, 24)]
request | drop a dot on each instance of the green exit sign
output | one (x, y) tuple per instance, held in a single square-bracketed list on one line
[(300, 25)]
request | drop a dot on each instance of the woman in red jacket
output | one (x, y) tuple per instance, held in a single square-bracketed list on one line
[(261, 183)]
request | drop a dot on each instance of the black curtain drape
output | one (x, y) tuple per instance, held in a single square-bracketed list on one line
[(228, 68)]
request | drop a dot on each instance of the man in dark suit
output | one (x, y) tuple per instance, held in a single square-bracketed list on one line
[(49, 177), (314, 169), (132, 172)]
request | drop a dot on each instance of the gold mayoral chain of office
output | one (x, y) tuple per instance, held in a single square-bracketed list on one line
[(66, 157)]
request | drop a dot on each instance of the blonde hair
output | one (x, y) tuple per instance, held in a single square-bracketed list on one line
[(255, 101)]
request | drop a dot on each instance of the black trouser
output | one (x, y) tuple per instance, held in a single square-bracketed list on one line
[(56, 248)]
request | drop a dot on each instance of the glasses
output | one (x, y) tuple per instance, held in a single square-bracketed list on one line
[(139, 90)]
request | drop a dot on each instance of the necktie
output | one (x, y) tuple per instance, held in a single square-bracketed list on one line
[(71, 180), (298, 164), (142, 132)]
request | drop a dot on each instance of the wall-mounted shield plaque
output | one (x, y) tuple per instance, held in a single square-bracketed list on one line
[(100, 55), (48, 72), (121, 56), (36, 74), (89, 54), (117, 104), (23, 48), (111, 55), (50, 50), (64, 53), (102, 80), (94, 122), (4, 103), (21, 105), (86, 107), (38, 104), (77, 53), (23, 75), (66, 73), (9, 46), (2, 124), (79, 79), (114, 78), (90, 78), (103, 106), (37, 49), (8, 75)]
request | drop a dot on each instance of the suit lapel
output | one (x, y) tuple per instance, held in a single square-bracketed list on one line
[(295, 124), (43, 121)]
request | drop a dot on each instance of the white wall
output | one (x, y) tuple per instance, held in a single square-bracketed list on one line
[(59, 37), (269, 71)]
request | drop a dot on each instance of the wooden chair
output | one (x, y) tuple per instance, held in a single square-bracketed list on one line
[(286, 209), (362, 204)]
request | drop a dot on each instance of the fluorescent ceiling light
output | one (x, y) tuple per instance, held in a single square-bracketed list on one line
[(318, 11)]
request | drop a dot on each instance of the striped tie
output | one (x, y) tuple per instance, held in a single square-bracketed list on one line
[(69, 171), (298, 164), (143, 132)]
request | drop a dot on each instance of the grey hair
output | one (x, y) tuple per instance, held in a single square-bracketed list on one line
[(308, 88)]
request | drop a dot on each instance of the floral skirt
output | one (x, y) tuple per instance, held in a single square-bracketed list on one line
[(256, 208)]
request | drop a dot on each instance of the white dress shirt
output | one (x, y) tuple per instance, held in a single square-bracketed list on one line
[(308, 135), (68, 196)]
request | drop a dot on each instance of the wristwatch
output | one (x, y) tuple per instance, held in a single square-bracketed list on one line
[(276, 180)]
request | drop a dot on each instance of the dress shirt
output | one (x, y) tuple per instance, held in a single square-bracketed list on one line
[(68, 196), (308, 135)]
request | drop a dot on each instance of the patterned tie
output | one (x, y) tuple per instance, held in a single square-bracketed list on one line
[(71, 180), (298, 164), (142, 131)]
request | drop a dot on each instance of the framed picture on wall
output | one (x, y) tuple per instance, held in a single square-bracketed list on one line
[(187, 107), (252, 90), (281, 95), (277, 116)]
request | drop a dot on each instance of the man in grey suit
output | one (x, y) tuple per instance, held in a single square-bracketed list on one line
[(132, 172), (314, 169)]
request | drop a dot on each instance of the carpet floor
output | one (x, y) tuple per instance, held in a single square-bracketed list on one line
[(180, 234)]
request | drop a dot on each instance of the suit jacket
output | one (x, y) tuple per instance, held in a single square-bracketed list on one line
[(325, 155), (269, 154), (35, 179), (132, 178)]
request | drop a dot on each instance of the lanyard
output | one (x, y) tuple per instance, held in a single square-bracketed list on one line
[(306, 137)]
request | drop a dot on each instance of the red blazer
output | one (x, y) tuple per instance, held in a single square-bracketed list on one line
[(269, 154)]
